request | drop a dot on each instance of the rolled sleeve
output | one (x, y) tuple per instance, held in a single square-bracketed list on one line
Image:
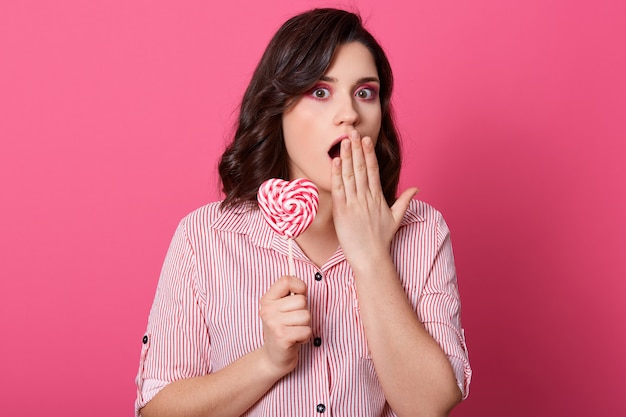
[(440, 308), (176, 344)]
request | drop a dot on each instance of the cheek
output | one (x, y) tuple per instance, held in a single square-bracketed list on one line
[(298, 122), (376, 125), (290, 127), (373, 128), (372, 115)]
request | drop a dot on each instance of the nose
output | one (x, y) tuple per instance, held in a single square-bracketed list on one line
[(346, 112)]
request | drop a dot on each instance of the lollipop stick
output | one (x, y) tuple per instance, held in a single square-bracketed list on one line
[(292, 268)]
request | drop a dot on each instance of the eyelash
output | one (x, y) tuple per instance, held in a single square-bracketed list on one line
[(373, 92)]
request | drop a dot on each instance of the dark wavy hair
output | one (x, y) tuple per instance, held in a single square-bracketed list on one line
[(295, 59)]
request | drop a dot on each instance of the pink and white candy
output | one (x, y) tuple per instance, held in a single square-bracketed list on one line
[(288, 206)]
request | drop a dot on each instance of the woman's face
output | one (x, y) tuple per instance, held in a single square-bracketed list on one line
[(344, 99)]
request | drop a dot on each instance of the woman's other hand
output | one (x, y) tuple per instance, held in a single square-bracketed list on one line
[(286, 323)]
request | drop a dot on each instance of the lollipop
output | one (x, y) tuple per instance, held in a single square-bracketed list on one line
[(289, 208)]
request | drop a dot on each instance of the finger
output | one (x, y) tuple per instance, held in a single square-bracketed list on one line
[(347, 169), (289, 336), (292, 303), (296, 285), (284, 286), (300, 334), (402, 204), (296, 318), (373, 172), (358, 162), (338, 191)]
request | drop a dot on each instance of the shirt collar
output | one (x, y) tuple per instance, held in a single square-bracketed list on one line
[(248, 220), (414, 214), (245, 220)]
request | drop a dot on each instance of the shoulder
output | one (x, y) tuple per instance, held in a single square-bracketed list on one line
[(423, 219), (201, 217)]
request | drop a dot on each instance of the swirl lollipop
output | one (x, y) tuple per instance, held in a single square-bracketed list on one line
[(289, 207)]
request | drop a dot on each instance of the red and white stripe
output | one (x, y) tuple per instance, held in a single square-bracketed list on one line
[(220, 263), (289, 207)]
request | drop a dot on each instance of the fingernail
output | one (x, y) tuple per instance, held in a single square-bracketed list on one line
[(354, 134)]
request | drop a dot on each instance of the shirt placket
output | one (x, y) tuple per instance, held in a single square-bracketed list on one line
[(318, 301)]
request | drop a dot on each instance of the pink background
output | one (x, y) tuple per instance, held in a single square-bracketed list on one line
[(112, 116)]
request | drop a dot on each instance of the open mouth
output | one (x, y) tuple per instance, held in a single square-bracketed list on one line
[(334, 150)]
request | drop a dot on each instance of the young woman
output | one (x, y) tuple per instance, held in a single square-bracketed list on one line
[(370, 323)]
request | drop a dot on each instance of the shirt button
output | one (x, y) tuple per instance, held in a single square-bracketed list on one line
[(318, 276), (145, 339), (317, 341), (320, 408)]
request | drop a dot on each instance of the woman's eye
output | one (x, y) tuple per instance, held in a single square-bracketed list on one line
[(321, 93), (366, 93)]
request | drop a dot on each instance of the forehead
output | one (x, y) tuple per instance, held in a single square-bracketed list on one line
[(352, 60)]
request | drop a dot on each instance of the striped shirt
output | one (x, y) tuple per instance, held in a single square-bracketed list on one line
[(206, 311)]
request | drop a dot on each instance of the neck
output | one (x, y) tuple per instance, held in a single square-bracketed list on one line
[(319, 242), (324, 217)]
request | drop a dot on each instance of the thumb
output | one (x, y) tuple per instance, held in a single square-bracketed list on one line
[(402, 203)]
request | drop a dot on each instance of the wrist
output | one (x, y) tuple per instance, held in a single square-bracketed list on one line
[(371, 263), (268, 367)]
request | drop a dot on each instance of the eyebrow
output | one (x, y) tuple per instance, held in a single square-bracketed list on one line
[(359, 81)]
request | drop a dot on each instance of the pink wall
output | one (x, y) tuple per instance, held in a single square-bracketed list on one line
[(112, 115)]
